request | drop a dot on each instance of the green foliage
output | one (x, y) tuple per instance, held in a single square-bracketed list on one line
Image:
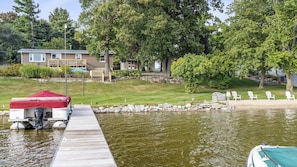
[(34, 71), (10, 42), (44, 72), (128, 91), (196, 70), (11, 70), (30, 71), (188, 68), (125, 73), (282, 38), (220, 83), (148, 30), (29, 11), (68, 70), (245, 38), (55, 43), (56, 72)]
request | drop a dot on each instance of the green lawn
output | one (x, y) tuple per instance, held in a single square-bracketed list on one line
[(126, 92)]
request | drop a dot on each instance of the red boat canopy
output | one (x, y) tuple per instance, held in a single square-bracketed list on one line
[(43, 99)]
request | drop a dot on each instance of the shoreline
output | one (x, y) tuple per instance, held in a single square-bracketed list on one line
[(207, 106), (263, 104)]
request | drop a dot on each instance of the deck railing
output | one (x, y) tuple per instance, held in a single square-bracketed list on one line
[(78, 63)]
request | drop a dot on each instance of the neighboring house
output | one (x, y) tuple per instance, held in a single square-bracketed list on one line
[(57, 58), (132, 64)]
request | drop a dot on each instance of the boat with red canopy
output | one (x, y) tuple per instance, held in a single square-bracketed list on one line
[(43, 109)]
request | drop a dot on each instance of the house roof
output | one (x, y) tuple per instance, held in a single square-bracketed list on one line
[(52, 51), (58, 51)]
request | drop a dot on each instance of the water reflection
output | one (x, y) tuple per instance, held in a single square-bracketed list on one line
[(27, 147), (194, 138), (212, 138)]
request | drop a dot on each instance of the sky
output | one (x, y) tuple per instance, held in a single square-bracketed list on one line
[(72, 6), (47, 6)]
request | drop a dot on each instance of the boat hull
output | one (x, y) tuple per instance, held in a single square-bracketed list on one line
[(272, 156), (45, 118)]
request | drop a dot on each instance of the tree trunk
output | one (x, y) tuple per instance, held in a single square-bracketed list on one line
[(289, 85), (166, 66), (32, 34), (107, 62), (262, 80)]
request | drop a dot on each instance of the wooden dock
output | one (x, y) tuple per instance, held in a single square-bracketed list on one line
[(83, 142)]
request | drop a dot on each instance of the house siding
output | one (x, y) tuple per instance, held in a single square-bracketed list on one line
[(91, 61)]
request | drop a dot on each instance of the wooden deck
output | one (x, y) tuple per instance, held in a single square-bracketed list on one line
[(83, 142)]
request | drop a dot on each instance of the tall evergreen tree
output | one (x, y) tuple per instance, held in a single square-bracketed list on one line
[(58, 19), (29, 10)]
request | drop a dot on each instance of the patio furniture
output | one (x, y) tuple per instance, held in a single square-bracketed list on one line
[(269, 95), (252, 96), (235, 95), (290, 96)]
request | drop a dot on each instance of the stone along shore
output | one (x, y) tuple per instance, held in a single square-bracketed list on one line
[(206, 106)]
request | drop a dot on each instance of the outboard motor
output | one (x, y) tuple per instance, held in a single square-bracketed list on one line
[(38, 118)]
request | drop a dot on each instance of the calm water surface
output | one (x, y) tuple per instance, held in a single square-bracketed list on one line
[(163, 139), (195, 138), (27, 148)]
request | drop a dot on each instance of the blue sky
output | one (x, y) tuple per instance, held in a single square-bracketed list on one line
[(48, 6), (72, 6)]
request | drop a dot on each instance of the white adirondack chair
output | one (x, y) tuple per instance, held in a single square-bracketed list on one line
[(228, 95), (290, 96), (252, 96), (235, 95), (269, 95)]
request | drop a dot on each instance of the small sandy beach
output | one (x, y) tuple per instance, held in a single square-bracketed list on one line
[(263, 104)]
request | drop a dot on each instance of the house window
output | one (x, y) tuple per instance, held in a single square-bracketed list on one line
[(57, 56), (37, 57), (78, 56), (102, 58)]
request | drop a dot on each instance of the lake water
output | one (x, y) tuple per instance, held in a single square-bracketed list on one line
[(212, 138), (27, 148), (195, 138)]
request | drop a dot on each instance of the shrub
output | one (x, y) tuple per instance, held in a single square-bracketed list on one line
[(44, 72), (62, 70), (34, 71), (11, 70), (29, 71), (56, 73)]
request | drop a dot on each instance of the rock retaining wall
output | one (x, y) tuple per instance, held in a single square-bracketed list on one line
[(160, 107)]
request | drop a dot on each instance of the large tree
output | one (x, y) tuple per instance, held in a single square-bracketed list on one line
[(150, 30), (58, 19), (10, 42), (99, 19), (246, 35), (27, 23), (168, 29), (282, 38)]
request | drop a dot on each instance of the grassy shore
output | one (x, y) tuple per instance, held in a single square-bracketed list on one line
[(126, 92)]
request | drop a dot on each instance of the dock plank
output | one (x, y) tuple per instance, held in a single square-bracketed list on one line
[(83, 142)]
